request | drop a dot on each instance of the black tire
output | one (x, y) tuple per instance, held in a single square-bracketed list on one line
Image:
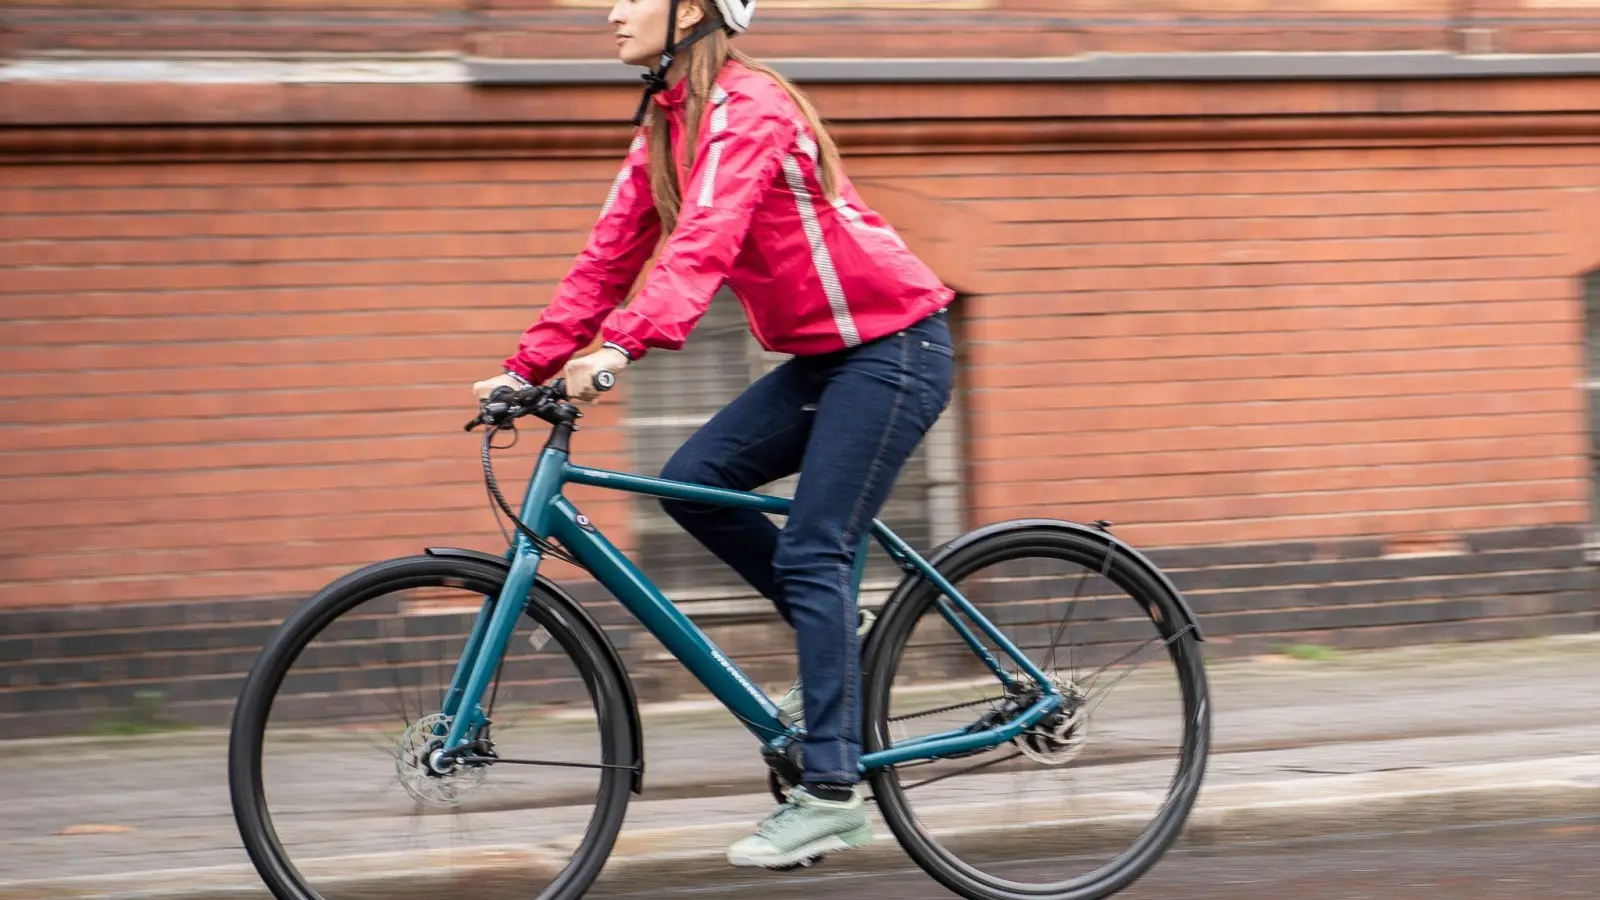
[(580, 641), (894, 632)]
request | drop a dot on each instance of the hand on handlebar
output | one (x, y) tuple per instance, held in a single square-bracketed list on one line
[(484, 388), (594, 373), (504, 398)]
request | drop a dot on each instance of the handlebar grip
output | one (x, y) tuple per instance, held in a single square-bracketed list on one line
[(603, 381)]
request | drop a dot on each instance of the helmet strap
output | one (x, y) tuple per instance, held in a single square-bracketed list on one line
[(656, 81)]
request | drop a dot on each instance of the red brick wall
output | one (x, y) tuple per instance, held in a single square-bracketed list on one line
[(1263, 345), (1007, 28), (1224, 339), (280, 359)]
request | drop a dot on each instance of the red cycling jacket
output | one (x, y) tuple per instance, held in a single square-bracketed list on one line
[(813, 275)]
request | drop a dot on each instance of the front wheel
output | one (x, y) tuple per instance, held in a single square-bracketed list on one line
[(1087, 800), (328, 765)]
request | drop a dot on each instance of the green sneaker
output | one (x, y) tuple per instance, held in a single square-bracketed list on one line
[(802, 830), (793, 702)]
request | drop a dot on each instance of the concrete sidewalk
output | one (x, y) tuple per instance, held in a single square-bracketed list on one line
[(1414, 736)]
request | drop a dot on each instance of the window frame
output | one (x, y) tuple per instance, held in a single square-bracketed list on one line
[(936, 468)]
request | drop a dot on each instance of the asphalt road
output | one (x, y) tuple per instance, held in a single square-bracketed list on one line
[(1539, 860)]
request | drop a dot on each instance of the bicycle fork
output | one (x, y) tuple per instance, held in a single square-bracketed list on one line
[(495, 623)]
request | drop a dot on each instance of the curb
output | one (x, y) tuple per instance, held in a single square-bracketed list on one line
[(669, 857), (1230, 814)]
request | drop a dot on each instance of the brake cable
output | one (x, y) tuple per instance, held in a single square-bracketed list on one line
[(504, 421)]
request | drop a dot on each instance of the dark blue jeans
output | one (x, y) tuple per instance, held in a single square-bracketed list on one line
[(846, 421)]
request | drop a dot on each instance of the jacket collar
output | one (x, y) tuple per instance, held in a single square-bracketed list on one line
[(673, 98)]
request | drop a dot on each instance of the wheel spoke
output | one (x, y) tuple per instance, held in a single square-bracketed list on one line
[(1095, 678), (1139, 765), (1072, 606), (319, 702), (496, 760)]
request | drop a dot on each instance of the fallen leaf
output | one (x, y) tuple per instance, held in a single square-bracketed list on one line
[(95, 828)]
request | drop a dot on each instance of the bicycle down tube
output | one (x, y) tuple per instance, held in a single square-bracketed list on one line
[(550, 514)]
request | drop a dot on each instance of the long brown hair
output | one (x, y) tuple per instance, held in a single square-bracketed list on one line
[(706, 59)]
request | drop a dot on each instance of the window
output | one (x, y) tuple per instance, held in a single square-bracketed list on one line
[(719, 360)]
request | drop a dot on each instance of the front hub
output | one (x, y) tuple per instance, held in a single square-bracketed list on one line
[(430, 775)]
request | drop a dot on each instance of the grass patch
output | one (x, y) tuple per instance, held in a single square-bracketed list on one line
[(148, 716), (1310, 651)]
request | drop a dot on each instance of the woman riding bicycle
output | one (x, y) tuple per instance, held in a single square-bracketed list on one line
[(734, 167)]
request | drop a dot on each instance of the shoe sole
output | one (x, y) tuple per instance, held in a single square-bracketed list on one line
[(857, 837)]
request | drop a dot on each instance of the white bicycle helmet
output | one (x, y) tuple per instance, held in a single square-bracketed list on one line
[(733, 16), (737, 14)]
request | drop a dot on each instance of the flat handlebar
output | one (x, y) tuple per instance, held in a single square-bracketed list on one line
[(548, 402)]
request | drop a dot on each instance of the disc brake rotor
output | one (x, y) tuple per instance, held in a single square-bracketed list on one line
[(1058, 738), (442, 790)]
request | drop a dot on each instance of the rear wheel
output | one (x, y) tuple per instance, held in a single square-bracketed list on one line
[(328, 759), (1085, 802)]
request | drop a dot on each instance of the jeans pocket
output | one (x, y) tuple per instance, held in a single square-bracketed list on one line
[(935, 379)]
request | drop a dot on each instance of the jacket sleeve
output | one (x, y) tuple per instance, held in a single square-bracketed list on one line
[(740, 149), (618, 246)]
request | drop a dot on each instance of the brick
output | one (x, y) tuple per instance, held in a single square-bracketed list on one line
[(1173, 250), (944, 175), (1293, 184), (350, 552), (1391, 578), (1160, 399), (33, 280), (1399, 635), (1431, 319), (1249, 495), (187, 486), (1143, 529), (1319, 352), (267, 349), (136, 231), (1086, 486), (321, 172), (280, 301), (1335, 298), (254, 250), (505, 324), (1375, 460), (249, 454), (396, 198), (1262, 275), (1393, 614), (1178, 215)]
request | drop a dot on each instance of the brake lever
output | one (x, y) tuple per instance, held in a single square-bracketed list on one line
[(492, 408)]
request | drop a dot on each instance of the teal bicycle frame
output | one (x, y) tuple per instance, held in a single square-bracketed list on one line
[(549, 514)]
